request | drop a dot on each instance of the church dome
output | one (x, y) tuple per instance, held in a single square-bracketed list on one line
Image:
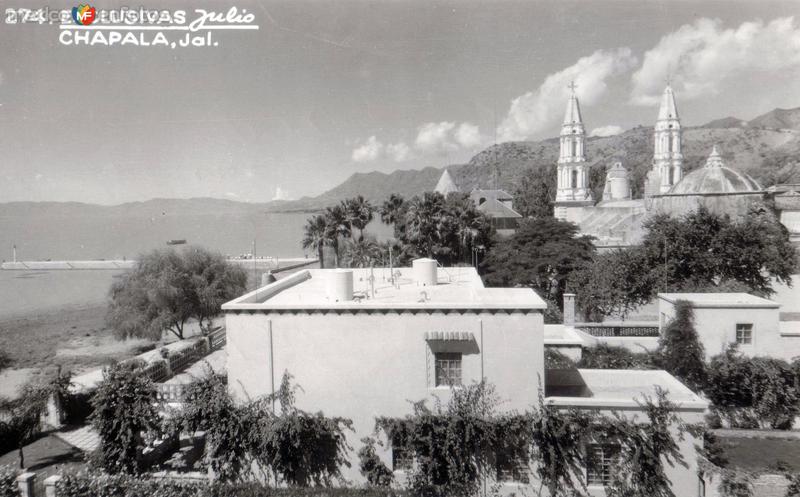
[(715, 177)]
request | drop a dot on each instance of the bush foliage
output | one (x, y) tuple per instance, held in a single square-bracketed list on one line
[(298, 447), (455, 446), (123, 414), (8, 482)]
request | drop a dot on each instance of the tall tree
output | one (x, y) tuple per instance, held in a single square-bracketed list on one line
[(361, 253), (680, 351), (315, 236), (541, 254), (215, 281), (536, 191), (392, 212), (336, 226)]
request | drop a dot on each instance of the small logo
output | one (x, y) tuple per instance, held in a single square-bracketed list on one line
[(84, 14)]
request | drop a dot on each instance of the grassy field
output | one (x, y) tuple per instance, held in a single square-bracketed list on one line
[(761, 454)]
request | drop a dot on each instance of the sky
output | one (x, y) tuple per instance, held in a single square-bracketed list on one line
[(325, 89)]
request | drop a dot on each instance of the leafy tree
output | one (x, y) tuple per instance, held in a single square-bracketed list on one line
[(616, 282), (124, 413), (541, 254), (359, 213), (701, 251), (214, 280), (536, 191), (5, 360), (315, 236), (167, 288), (680, 351)]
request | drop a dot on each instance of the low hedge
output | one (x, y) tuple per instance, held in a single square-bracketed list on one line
[(103, 485)]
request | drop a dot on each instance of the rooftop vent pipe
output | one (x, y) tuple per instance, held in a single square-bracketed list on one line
[(340, 285)]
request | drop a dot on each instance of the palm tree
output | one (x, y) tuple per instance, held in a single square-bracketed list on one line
[(393, 211), (359, 214), (361, 253), (315, 236), (336, 225)]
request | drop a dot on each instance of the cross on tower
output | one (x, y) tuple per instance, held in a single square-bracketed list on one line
[(572, 86)]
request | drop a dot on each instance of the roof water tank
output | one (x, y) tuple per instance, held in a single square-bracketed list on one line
[(425, 272), (340, 285)]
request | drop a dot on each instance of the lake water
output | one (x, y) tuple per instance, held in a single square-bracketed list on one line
[(276, 234)]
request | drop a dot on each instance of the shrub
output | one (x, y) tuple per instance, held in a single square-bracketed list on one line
[(124, 412), (758, 390), (371, 466), (8, 482), (604, 356), (553, 359), (680, 351), (298, 447), (85, 484)]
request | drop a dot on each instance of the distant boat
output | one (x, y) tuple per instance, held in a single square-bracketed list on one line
[(176, 242)]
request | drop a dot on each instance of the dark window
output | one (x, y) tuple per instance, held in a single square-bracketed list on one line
[(512, 467), (402, 460), (448, 368), (574, 179), (744, 333), (481, 200), (601, 461)]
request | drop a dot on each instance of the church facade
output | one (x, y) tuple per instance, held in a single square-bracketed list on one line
[(617, 219)]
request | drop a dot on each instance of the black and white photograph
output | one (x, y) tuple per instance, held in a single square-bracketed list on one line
[(400, 248)]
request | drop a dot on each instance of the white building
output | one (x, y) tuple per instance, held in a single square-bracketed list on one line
[(724, 318), (364, 343)]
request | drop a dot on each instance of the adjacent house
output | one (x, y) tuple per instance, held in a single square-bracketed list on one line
[(753, 323), (364, 343)]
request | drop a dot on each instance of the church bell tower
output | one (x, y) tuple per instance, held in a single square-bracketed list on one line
[(573, 171), (667, 157)]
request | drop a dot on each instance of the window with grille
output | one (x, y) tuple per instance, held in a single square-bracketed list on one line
[(744, 333), (402, 460), (448, 369), (512, 467), (601, 462)]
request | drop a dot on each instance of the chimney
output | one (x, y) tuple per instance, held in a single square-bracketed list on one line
[(569, 309), (425, 272), (340, 285)]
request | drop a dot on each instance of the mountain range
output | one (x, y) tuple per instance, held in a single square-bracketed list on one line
[(766, 147)]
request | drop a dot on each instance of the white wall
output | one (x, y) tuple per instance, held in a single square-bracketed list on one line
[(716, 328), (364, 365)]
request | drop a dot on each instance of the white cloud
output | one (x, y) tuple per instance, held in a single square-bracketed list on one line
[(435, 137), (398, 152), (468, 135), (38, 176), (698, 57), (281, 194), (608, 130), (540, 109), (369, 151)]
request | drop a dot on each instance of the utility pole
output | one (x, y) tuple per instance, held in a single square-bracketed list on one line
[(255, 269)]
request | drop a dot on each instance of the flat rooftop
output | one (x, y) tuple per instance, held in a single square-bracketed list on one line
[(616, 388), (456, 288), (736, 300)]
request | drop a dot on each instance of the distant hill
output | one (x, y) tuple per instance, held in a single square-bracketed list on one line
[(761, 147)]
